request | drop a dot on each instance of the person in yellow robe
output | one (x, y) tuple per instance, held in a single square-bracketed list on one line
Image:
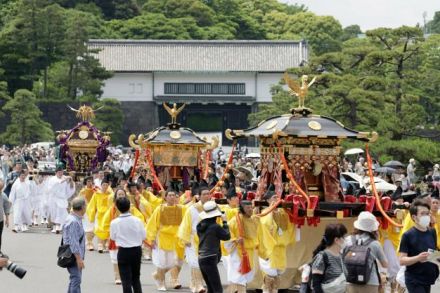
[(87, 192), (97, 207), (188, 236), (103, 230), (278, 233), (390, 239), (167, 252), (244, 229), (231, 209), (144, 207), (148, 195)]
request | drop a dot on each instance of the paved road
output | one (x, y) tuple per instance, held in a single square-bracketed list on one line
[(36, 251)]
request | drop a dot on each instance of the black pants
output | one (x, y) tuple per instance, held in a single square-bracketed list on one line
[(417, 288), (1, 232), (208, 266), (129, 263)]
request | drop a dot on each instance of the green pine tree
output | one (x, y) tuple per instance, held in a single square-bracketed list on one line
[(26, 125)]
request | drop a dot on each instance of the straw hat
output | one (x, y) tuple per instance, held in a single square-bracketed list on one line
[(210, 210), (367, 222)]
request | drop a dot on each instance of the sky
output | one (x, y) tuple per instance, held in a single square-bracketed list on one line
[(369, 14)]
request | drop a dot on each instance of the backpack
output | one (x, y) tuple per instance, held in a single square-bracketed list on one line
[(358, 261)]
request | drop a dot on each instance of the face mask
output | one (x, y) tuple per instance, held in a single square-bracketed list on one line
[(424, 221), (342, 244)]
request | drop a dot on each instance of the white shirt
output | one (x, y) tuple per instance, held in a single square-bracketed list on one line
[(127, 231)]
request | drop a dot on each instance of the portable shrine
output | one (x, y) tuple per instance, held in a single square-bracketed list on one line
[(83, 148), (173, 153)]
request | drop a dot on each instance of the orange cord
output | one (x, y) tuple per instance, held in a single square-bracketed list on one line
[(290, 176), (376, 195), (231, 157)]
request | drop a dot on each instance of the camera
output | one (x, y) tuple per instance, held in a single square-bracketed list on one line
[(14, 268)]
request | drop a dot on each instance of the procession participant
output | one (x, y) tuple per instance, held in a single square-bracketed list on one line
[(162, 234), (59, 189), (232, 208), (21, 204), (36, 197), (210, 234), (278, 233), (99, 178), (128, 232), (87, 193), (103, 230), (98, 206), (149, 203), (414, 250), (242, 247), (188, 235), (148, 195)]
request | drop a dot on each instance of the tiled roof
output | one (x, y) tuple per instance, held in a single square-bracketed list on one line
[(194, 55)]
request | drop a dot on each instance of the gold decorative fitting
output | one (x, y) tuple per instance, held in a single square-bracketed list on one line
[(83, 134), (300, 91), (272, 125), (315, 125), (86, 113), (175, 134), (173, 111)]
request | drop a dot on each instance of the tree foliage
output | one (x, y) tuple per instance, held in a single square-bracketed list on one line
[(387, 82), (26, 125), (110, 118)]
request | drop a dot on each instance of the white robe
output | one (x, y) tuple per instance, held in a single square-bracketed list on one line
[(59, 191), (191, 255), (20, 198)]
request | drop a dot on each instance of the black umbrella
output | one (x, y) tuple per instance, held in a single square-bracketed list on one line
[(386, 170), (394, 164)]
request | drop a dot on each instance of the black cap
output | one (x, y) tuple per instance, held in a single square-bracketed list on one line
[(435, 194), (203, 183), (131, 184), (231, 193), (270, 192), (194, 188), (87, 179)]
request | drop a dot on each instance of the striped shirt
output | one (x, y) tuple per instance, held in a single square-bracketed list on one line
[(73, 232), (332, 269), (5, 206)]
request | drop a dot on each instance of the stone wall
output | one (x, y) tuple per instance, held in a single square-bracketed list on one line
[(140, 117)]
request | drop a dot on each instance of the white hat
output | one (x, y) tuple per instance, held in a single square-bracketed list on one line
[(436, 166), (367, 222), (210, 210)]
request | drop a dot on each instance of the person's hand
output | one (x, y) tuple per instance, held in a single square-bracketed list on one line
[(3, 262), (240, 240), (80, 264), (423, 256), (153, 244)]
